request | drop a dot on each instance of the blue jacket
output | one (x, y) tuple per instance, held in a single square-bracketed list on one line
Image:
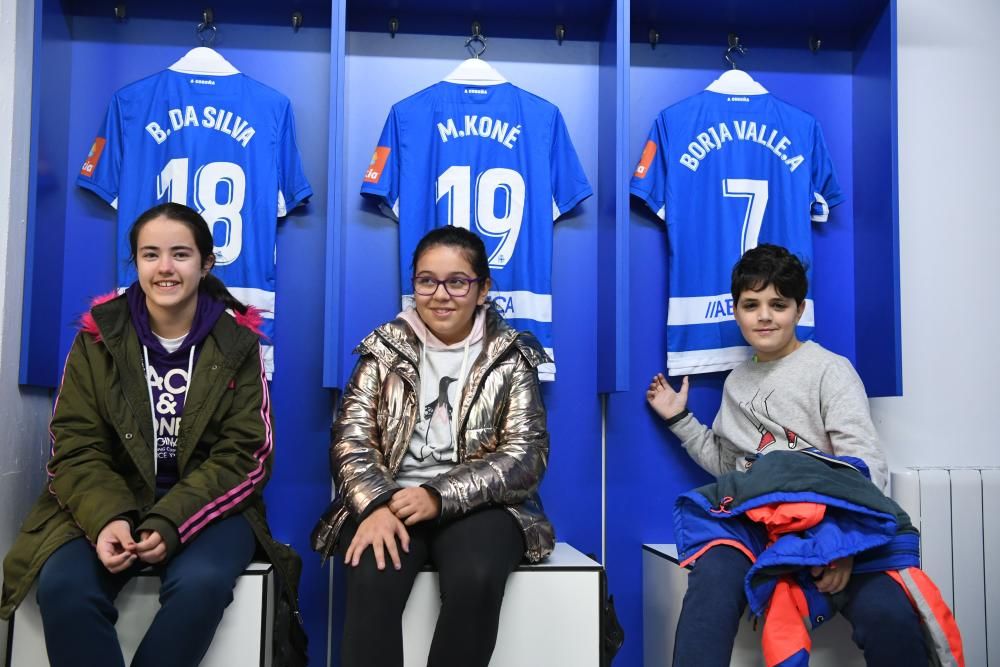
[(794, 510)]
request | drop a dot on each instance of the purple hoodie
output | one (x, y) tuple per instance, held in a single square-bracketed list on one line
[(167, 376)]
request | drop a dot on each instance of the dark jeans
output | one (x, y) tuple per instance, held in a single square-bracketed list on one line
[(886, 627), (76, 597), (473, 555)]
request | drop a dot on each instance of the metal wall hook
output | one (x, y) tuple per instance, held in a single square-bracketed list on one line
[(206, 30), (297, 19), (735, 47), (120, 12), (393, 27), (560, 33), (477, 38), (739, 49), (654, 38), (206, 34)]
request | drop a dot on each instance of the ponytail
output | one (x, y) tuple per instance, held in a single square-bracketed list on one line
[(214, 287)]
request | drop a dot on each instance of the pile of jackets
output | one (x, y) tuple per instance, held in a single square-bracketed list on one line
[(794, 510)]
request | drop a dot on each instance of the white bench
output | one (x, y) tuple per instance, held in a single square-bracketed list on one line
[(243, 638), (663, 585), (550, 615)]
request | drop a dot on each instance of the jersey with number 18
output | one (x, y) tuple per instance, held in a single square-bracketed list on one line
[(494, 159), (726, 173), (223, 145)]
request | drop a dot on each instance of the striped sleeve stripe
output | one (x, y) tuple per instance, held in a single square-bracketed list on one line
[(939, 622), (739, 546), (52, 436), (239, 493)]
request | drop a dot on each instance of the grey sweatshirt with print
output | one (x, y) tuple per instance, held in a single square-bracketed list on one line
[(810, 398)]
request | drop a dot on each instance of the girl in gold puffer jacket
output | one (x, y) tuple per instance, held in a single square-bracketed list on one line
[(437, 453)]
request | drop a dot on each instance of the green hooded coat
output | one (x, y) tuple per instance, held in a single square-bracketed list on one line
[(102, 457)]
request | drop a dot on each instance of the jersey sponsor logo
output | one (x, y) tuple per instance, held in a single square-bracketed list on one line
[(504, 133), (737, 99), (715, 137), (375, 167), (648, 153), (93, 157), (684, 310), (211, 118), (475, 91), (203, 82)]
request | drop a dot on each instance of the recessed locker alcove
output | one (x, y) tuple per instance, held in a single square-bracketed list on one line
[(83, 55), (836, 61), (381, 68)]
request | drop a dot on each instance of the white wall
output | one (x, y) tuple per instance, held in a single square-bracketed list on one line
[(949, 224), (23, 413)]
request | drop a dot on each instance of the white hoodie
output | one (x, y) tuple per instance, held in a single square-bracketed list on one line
[(443, 372)]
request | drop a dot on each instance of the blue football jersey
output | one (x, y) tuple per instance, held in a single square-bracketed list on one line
[(494, 159), (223, 145), (727, 173)]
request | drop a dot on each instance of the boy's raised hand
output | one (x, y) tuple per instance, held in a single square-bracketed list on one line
[(664, 400)]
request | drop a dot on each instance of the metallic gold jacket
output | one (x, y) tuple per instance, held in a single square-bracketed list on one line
[(503, 443)]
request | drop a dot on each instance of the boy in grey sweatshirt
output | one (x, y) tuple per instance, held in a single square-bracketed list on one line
[(790, 395)]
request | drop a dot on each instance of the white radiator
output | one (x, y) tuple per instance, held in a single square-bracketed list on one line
[(959, 548)]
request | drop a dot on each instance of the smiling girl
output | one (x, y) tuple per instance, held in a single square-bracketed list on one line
[(437, 453), (161, 446)]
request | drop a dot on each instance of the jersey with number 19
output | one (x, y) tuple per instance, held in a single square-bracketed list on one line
[(223, 145), (726, 173), (494, 159)]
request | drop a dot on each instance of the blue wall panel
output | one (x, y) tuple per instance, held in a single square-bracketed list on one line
[(876, 247), (107, 55), (40, 362), (612, 261)]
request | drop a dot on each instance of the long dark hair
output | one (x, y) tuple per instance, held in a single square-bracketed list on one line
[(191, 219)]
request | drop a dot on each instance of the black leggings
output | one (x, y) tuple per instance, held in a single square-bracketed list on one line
[(473, 555)]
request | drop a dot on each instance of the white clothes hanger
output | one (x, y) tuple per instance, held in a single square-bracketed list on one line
[(735, 81), (203, 60), (475, 71)]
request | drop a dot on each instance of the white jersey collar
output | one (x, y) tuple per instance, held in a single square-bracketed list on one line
[(203, 60), (475, 72), (736, 82)]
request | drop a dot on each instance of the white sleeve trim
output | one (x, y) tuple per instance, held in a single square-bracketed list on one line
[(824, 208)]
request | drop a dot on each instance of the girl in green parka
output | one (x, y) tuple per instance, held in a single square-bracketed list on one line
[(161, 446)]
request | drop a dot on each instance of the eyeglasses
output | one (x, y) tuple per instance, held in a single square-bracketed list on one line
[(454, 286)]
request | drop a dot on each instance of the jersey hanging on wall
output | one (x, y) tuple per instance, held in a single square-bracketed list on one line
[(491, 158), (202, 134), (727, 172)]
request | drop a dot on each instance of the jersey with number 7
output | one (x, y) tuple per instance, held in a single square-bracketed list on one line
[(727, 173), (223, 145), (494, 159)]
